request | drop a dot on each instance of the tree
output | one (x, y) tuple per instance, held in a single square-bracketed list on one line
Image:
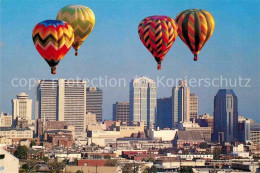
[(107, 157), (112, 162), (45, 159), (21, 152), (79, 171), (128, 168), (216, 153), (204, 145), (26, 167), (33, 143), (186, 169), (56, 166), (153, 169)]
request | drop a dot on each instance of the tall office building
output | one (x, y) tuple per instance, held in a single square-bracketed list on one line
[(180, 103), (62, 100), (164, 113), (142, 98), (121, 112), (194, 106), (22, 107), (94, 102), (225, 116)]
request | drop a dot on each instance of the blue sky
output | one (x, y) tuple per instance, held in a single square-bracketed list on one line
[(114, 49)]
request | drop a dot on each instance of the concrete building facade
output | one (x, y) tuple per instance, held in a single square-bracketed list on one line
[(121, 112), (62, 100), (94, 99), (142, 98), (22, 107), (225, 116)]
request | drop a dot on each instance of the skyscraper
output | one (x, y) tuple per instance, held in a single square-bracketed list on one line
[(164, 113), (22, 107), (180, 103), (94, 102), (194, 106), (62, 100), (142, 98), (225, 115), (121, 112)]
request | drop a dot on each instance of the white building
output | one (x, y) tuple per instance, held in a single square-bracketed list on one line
[(163, 135), (22, 107), (8, 163), (62, 100), (181, 103), (12, 133), (142, 98), (239, 151)]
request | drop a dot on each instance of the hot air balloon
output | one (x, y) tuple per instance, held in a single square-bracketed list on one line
[(195, 27), (82, 20), (158, 33), (53, 39)]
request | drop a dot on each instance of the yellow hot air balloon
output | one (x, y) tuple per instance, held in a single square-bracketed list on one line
[(195, 27), (82, 20)]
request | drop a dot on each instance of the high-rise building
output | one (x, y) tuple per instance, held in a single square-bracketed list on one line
[(22, 107), (164, 113), (62, 100), (121, 112), (225, 116), (142, 98), (180, 103), (94, 102), (194, 106)]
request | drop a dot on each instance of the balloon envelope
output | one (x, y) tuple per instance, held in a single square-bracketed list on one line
[(195, 27), (82, 20), (53, 39), (158, 33)]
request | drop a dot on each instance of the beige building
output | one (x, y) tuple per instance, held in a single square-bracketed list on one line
[(127, 131), (22, 107), (162, 135), (6, 141), (12, 133), (8, 162), (194, 106), (5, 120), (90, 118), (62, 100)]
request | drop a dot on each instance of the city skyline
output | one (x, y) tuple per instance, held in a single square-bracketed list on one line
[(98, 58)]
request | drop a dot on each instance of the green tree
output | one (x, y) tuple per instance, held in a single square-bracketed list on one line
[(107, 157), (204, 145), (216, 153), (21, 152), (56, 166), (33, 143), (45, 159), (152, 169), (26, 167), (186, 169), (79, 171), (111, 162)]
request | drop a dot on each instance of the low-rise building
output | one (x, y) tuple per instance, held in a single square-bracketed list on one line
[(19, 133), (162, 135), (8, 162), (192, 156), (174, 164), (188, 138)]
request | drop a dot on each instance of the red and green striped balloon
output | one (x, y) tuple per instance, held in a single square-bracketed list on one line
[(195, 27), (158, 33)]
